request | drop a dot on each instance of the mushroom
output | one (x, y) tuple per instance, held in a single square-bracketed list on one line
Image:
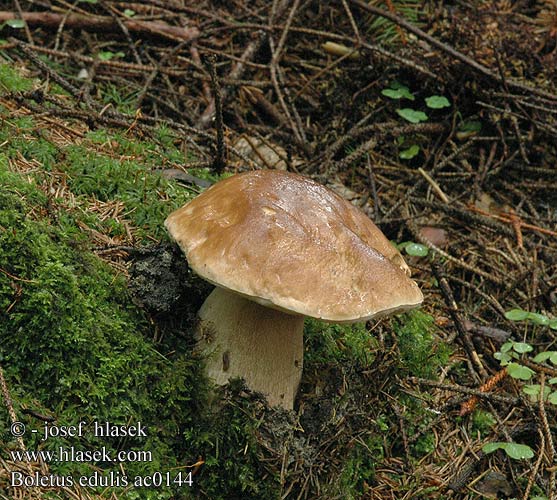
[(279, 246)]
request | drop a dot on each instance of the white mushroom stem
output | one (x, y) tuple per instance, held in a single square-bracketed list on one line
[(244, 339)]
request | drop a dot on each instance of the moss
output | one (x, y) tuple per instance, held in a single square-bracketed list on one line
[(74, 345), (420, 354), (12, 81)]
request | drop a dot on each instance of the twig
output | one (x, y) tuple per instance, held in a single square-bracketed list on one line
[(455, 314), (236, 73), (219, 162), (104, 23), (507, 400), (469, 405), (434, 185)]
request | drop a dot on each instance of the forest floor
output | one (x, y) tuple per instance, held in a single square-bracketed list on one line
[(437, 119)]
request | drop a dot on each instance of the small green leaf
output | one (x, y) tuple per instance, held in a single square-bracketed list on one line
[(470, 126), (412, 115), (398, 91), (552, 398), (491, 447), (552, 380), (539, 319), (107, 55), (544, 356), (518, 451), (513, 450), (15, 23), (392, 93), (532, 390), (437, 102), (553, 324), (410, 153), (507, 346), (503, 357), (416, 250), (129, 12), (522, 347), (520, 372), (516, 314)]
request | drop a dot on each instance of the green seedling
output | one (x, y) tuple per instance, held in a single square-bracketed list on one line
[(414, 249), (411, 152), (412, 115), (536, 318), (513, 450), (107, 55), (437, 102), (398, 91)]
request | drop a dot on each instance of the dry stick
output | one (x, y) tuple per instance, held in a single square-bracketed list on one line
[(450, 50), (60, 29), (138, 68), (26, 27), (104, 23), (507, 400), (124, 29), (534, 472), (235, 74), (28, 51), (360, 151), (351, 19), (460, 263), (455, 314), (470, 404), (373, 187), (218, 163), (156, 70), (274, 67), (204, 83), (549, 445)]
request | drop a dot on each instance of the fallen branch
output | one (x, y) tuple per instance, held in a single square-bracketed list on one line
[(103, 23)]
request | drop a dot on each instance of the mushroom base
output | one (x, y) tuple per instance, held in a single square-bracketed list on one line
[(265, 347)]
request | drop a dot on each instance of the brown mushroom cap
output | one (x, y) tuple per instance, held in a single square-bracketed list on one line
[(290, 243)]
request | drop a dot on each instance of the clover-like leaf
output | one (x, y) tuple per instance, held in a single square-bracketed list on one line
[(410, 153), (437, 102), (398, 91), (546, 355), (520, 372), (412, 115), (15, 23), (513, 450), (516, 314), (416, 250), (539, 319), (518, 451), (522, 347), (552, 398), (507, 346)]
